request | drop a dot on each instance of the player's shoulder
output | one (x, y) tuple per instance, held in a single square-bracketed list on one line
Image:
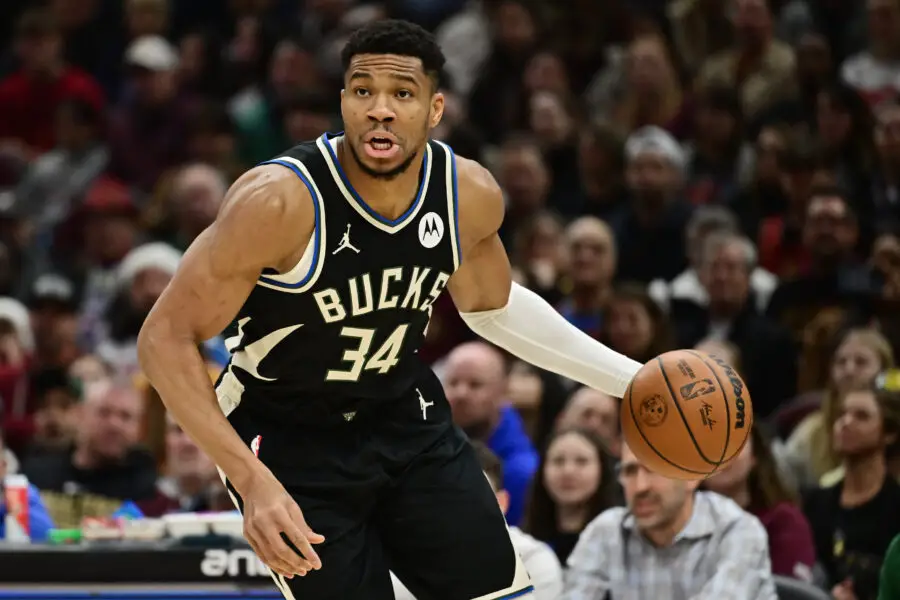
[(268, 194), (480, 196)]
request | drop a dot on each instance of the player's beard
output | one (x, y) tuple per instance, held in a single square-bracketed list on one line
[(383, 175)]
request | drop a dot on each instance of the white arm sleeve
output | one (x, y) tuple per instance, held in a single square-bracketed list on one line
[(531, 329)]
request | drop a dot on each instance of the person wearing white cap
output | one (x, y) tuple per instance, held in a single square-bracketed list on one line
[(650, 232), (147, 133), (140, 278)]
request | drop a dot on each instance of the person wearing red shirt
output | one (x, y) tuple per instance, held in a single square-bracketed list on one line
[(30, 96)]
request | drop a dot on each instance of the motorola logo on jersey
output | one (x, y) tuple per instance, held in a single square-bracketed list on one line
[(431, 230)]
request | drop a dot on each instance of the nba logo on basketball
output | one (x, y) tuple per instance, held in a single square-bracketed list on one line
[(695, 389), (254, 445)]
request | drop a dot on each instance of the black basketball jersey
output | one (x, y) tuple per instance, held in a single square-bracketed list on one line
[(349, 318)]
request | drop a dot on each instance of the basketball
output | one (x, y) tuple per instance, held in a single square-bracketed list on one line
[(686, 414)]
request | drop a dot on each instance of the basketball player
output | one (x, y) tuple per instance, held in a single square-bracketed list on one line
[(336, 442)]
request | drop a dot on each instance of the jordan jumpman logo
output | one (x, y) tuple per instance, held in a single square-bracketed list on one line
[(345, 242)]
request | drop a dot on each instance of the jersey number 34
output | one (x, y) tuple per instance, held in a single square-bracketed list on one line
[(360, 359)]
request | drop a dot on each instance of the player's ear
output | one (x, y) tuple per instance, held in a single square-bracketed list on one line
[(437, 109)]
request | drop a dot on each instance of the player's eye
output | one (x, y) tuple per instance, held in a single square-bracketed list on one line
[(404, 94), (361, 92)]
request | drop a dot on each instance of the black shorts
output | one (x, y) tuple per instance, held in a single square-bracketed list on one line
[(390, 491)]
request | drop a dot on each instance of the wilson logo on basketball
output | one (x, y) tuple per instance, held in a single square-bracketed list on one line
[(695, 389), (738, 387)]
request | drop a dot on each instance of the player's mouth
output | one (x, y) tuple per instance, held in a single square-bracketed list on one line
[(381, 145)]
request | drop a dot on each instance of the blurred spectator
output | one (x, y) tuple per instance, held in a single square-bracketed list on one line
[(835, 277), (56, 180), (39, 521), (539, 256), (258, 111), (53, 308), (778, 219), (475, 381), (650, 231), (635, 325), (671, 541), (716, 148), (874, 71), (652, 94), (540, 561), (465, 39), (857, 359), (146, 17), (601, 164), (29, 98), (148, 129), (574, 484), (591, 253), (886, 187), (16, 348), (767, 349), (195, 197), (759, 66), (855, 520), (699, 29), (524, 176), (706, 221), (752, 480), (496, 101), (140, 279), (595, 411), (55, 415), (844, 123), (103, 467), (191, 483)]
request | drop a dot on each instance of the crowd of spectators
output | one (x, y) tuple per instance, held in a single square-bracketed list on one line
[(715, 174)]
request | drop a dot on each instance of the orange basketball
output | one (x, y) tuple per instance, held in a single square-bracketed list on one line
[(686, 414)]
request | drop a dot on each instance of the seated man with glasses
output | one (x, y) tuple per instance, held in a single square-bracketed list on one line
[(671, 542)]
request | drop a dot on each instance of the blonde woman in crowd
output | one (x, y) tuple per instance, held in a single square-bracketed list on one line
[(860, 355)]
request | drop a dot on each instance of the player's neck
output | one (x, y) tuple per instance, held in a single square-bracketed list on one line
[(388, 197)]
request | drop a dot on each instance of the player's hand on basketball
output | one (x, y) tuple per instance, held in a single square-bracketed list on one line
[(276, 529)]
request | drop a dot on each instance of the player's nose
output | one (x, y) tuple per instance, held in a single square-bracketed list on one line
[(381, 112)]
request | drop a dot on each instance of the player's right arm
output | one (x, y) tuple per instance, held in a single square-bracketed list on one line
[(265, 221)]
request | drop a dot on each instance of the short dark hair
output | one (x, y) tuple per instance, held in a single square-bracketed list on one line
[(490, 464), (394, 36), (47, 380)]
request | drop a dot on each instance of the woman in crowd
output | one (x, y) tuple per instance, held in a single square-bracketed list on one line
[(653, 93), (854, 521), (752, 480), (860, 355), (635, 325), (574, 484)]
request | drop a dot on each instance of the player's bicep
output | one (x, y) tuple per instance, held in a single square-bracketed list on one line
[(260, 224), (202, 298), (484, 278)]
